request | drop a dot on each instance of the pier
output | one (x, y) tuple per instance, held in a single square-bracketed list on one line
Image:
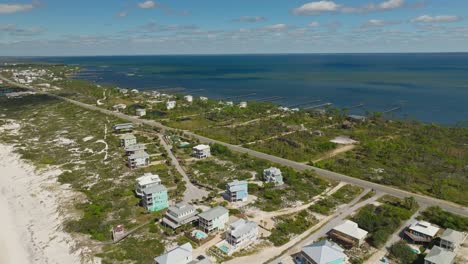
[(317, 106), (305, 103), (269, 99), (392, 109)]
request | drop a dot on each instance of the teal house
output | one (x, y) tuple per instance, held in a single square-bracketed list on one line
[(322, 252), (154, 198)]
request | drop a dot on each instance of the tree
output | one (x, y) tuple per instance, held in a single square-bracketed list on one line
[(402, 253)]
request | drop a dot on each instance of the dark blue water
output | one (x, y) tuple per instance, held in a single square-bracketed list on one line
[(427, 87)]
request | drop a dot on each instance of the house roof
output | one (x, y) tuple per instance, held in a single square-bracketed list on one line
[(236, 185), (201, 147), (453, 236), (272, 171), (135, 147), (179, 255), (241, 227), (180, 208), (124, 125), (324, 252), (148, 178), (139, 155), (439, 255), (213, 213), (351, 229), (425, 228), (155, 189), (127, 136)]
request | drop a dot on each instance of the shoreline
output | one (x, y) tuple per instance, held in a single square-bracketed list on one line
[(32, 222)]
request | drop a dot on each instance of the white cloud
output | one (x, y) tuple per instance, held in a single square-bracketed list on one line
[(375, 23), (435, 19), (313, 8), (250, 19), (147, 4), (122, 14), (391, 4), (14, 8), (277, 27), (14, 30), (314, 24)]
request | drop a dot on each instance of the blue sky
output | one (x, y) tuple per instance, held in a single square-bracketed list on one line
[(113, 27)]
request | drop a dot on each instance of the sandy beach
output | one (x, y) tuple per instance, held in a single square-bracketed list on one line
[(31, 224)]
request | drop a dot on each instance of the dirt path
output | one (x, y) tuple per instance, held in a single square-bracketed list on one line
[(335, 152)]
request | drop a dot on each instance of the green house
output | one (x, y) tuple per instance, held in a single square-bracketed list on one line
[(155, 198)]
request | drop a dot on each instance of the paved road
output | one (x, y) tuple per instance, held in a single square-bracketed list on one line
[(192, 192), (337, 218), (421, 199)]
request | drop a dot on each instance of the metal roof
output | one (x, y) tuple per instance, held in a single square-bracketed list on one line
[(213, 213), (439, 255), (351, 229), (179, 255), (155, 189), (324, 252), (425, 228), (453, 236), (139, 155)]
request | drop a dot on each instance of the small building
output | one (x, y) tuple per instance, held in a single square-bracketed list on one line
[(356, 118), (170, 105), (146, 181), (349, 234), (118, 232), (451, 239), (127, 140), (243, 105), (181, 255), (201, 151), (140, 112), (422, 232), (237, 191), (180, 214), (274, 175), (119, 107), (214, 219), (439, 255), (229, 103), (138, 160), (203, 98), (123, 128), (188, 98), (241, 233), (321, 252), (134, 91), (154, 198), (135, 148)]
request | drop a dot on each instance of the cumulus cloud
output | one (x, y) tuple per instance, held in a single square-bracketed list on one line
[(374, 23), (277, 27), (435, 19), (314, 8), (147, 4), (250, 19), (10, 8)]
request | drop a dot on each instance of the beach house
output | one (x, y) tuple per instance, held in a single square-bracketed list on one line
[(123, 128), (180, 214), (138, 160), (188, 98), (135, 148), (203, 98), (170, 105), (321, 252), (237, 191), (439, 255), (348, 233), (451, 239), (154, 198), (140, 112), (243, 105), (274, 175), (201, 151), (181, 255), (146, 181), (214, 219), (241, 233), (127, 140), (422, 232)]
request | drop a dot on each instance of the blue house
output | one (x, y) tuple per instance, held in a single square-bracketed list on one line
[(237, 191)]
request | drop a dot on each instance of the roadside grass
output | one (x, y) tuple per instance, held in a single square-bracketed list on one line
[(343, 195), (289, 226)]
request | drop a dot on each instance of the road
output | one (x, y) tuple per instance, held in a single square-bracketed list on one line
[(192, 192), (337, 218), (421, 199)]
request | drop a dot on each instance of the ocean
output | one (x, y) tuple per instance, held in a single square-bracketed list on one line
[(426, 87)]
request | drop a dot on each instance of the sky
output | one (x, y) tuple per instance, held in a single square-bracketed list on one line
[(137, 27)]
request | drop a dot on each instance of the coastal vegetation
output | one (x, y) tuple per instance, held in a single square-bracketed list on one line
[(444, 219), (343, 195), (288, 226)]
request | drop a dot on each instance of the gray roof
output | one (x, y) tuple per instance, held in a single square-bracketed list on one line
[(357, 117), (181, 208), (155, 189), (241, 227), (324, 252), (127, 136), (213, 213), (123, 126), (439, 255), (135, 147), (139, 155), (179, 255), (452, 236), (237, 185)]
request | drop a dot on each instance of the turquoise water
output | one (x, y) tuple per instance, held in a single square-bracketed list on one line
[(224, 248), (200, 235), (427, 87)]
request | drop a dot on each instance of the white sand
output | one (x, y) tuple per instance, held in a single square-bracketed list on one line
[(30, 222)]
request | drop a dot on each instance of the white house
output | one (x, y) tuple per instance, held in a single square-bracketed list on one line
[(439, 255), (213, 219), (127, 140), (188, 98), (145, 181), (203, 98), (422, 231), (451, 239), (170, 105), (140, 112), (241, 233), (274, 175), (138, 160), (201, 151), (349, 233), (243, 105), (180, 214), (181, 255)]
